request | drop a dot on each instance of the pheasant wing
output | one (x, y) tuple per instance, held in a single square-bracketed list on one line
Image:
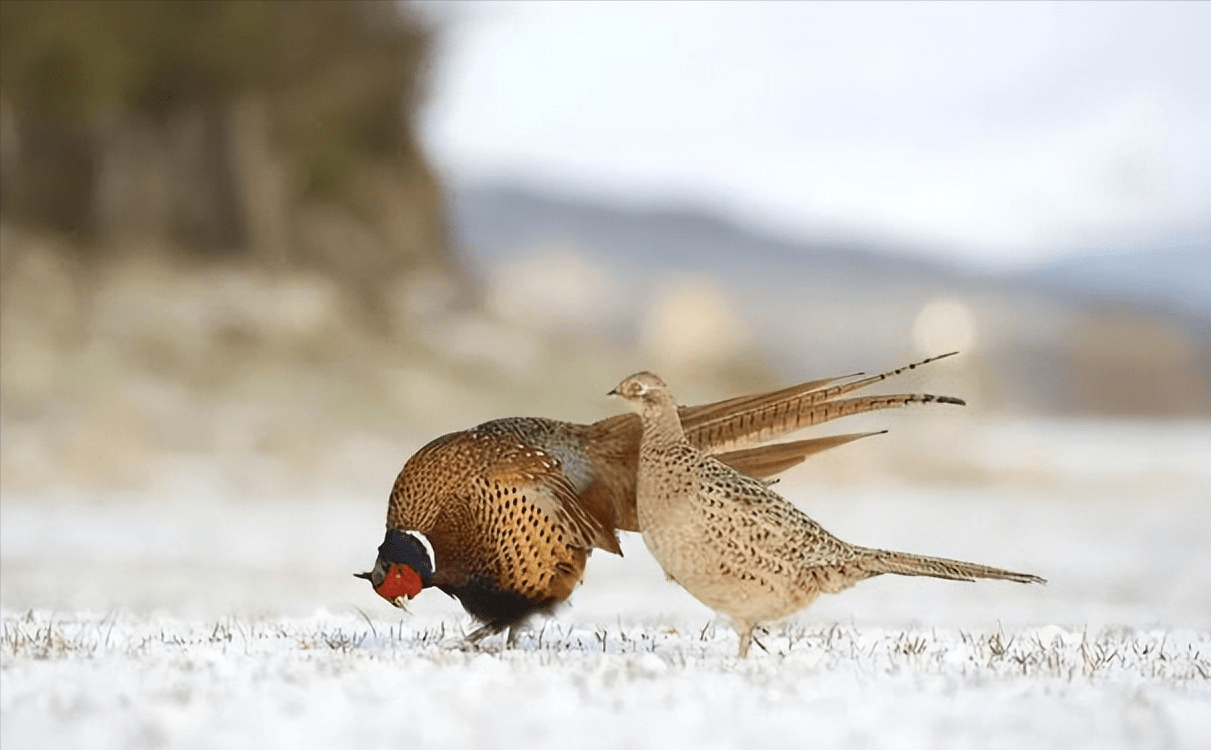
[(534, 485)]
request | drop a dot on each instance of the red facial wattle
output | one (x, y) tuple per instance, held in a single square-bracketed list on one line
[(401, 580)]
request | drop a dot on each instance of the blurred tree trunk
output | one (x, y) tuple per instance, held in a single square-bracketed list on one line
[(261, 179), (162, 179)]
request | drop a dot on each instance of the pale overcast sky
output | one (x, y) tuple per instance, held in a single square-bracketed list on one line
[(1005, 132)]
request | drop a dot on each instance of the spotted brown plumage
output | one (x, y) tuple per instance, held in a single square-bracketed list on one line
[(736, 545), (512, 508)]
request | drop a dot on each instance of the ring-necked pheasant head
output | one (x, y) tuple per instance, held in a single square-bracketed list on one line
[(404, 566)]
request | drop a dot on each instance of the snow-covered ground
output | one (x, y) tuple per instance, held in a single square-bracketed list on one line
[(198, 614)]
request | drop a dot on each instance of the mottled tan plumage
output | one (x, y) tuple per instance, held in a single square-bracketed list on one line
[(512, 508), (736, 545)]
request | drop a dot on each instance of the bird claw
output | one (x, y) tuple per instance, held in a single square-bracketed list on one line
[(473, 640)]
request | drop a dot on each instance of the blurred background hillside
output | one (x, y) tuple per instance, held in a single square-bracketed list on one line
[(291, 242)]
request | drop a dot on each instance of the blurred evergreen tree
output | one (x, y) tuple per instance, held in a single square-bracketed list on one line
[(268, 129)]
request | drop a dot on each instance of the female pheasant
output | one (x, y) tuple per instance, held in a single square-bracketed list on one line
[(504, 516), (734, 543)]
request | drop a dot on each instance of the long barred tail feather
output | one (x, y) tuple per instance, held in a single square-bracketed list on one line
[(745, 420), (902, 563)]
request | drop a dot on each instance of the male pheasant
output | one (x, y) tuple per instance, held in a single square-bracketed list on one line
[(736, 545), (503, 516)]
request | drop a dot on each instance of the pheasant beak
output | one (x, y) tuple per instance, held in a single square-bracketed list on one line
[(400, 584)]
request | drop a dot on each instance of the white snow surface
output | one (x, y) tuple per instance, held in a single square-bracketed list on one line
[(197, 616)]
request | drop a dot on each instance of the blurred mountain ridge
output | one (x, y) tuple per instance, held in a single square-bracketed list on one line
[(494, 220), (1168, 278), (1118, 334)]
